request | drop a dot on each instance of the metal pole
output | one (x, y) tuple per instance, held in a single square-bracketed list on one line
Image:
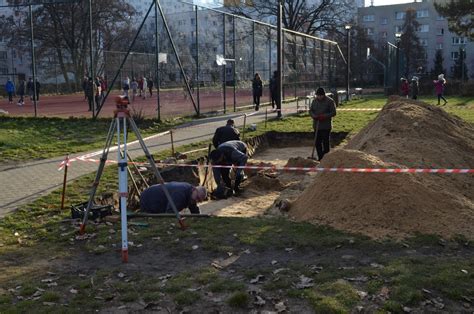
[(279, 57), (397, 66), (91, 57), (270, 55), (294, 65), (197, 61), (462, 65), (253, 49), (224, 66), (185, 78), (33, 59), (235, 60), (157, 61), (348, 62)]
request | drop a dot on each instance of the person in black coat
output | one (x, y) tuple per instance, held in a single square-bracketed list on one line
[(257, 88), (226, 133)]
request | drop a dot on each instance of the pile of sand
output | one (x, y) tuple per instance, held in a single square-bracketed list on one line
[(405, 134)]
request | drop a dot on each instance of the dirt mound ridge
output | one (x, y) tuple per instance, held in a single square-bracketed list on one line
[(301, 162), (405, 134)]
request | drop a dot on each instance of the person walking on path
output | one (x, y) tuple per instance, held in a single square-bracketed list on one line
[(144, 86), (98, 92), (38, 87), (184, 195), (257, 90), (273, 89), (227, 154), (21, 92), (405, 87), (134, 88), (90, 92), (150, 87), (10, 88), (414, 87), (30, 88), (225, 133), (440, 85), (126, 86), (322, 110)]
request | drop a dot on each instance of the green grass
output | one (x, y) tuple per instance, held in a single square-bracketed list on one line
[(40, 224), (39, 138)]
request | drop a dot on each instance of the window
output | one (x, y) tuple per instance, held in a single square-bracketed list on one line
[(440, 18), (400, 15), (424, 42), (3, 70), (369, 18), (422, 13), (439, 46), (423, 28), (440, 32), (3, 55), (459, 40), (384, 21), (193, 21), (398, 29), (454, 55), (369, 31), (383, 34)]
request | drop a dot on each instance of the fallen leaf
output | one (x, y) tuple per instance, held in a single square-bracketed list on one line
[(257, 279), (464, 271), (280, 307), (73, 291), (223, 263), (120, 275), (274, 262), (305, 282), (195, 247), (259, 301), (279, 270), (289, 249)]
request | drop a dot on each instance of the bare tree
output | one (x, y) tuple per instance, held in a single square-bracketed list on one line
[(62, 31), (460, 16), (410, 44), (309, 17)]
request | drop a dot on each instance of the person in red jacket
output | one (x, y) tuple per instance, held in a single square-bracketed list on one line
[(405, 87)]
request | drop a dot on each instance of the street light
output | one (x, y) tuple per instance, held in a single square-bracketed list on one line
[(463, 56), (398, 37), (348, 29)]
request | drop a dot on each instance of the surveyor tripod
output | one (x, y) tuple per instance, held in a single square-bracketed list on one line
[(119, 123)]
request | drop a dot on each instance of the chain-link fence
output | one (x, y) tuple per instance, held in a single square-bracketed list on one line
[(219, 54)]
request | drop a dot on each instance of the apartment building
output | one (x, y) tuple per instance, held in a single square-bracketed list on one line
[(382, 22)]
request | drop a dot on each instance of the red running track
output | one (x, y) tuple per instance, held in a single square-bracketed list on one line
[(174, 102)]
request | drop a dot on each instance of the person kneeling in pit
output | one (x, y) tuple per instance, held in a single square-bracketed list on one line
[(184, 195), (227, 154)]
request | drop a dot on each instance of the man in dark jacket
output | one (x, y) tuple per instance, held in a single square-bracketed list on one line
[(184, 195), (227, 154), (274, 90), (226, 133), (90, 92), (322, 110)]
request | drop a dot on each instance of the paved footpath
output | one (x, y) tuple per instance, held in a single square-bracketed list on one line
[(24, 183)]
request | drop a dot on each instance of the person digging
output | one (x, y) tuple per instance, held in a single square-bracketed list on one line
[(322, 110), (184, 195), (227, 154)]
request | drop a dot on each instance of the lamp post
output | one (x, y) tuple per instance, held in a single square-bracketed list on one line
[(397, 67), (463, 56), (348, 29)]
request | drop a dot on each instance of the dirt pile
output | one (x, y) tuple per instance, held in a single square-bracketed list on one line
[(405, 134), (301, 162)]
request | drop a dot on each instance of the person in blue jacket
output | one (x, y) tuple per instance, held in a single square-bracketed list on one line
[(10, 88), (184, 195)]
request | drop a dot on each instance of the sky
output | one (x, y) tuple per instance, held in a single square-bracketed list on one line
[(386, 2)]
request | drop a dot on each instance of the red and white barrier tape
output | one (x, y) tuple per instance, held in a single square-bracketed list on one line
[(308, 169)]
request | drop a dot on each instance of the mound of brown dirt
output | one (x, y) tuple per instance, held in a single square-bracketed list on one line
[(405, 134), (263, 182), (301, 162)]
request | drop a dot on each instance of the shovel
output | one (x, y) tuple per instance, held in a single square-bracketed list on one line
[(314, 141)]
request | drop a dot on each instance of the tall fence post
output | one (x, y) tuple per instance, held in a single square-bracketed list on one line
[(197, 60), (91, 56), (244, 127), (33, 60), (224, 68), (172, 143), (235, 60), (157, 65)]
